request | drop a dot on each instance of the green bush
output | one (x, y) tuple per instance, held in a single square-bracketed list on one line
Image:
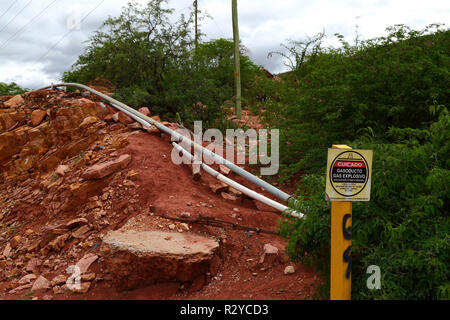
[(11, 89), (390, 95), (335, 94), (404, 229)]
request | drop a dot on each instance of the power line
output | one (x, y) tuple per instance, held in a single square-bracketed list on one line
[(65, 35), (29, 23), (16, 15), (12, 4)]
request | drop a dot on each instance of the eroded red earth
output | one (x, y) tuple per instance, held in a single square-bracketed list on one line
[(51, 217)]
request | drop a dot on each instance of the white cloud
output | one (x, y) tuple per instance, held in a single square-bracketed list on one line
[(264, 24)]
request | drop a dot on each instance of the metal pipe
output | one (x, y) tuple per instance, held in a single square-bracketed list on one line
[(179, 138), (238, 186)]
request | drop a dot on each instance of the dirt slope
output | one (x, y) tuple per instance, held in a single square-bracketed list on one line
[(72, 170)]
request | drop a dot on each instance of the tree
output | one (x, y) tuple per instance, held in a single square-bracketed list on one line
[(11, 89)]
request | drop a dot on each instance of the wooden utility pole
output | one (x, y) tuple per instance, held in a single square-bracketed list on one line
[(196, 23), (237, 62)]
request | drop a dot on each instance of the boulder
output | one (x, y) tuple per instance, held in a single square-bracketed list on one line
[(102, 170), (61, 170), (289, 270), (85, 262), (125, 119), (141, 258), (14, 102), (270, 255), (218, 187), (40, 284), (37, 116), (228, 196), (145, 111)]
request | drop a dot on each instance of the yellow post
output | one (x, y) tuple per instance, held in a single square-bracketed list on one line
[(341, 244)]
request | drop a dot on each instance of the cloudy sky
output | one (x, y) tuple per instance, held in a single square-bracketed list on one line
[(38, 41)]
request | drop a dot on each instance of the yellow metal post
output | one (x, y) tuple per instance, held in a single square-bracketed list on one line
[(341, 244)]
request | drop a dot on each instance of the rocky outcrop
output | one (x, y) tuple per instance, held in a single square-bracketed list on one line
[(102, 170), (137, 259)]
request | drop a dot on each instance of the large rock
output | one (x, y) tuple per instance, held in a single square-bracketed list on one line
[(270, 255), (145, 111), (102, 170), (40, 284), (85, 262), (37, 116), (125, 119), (138, 258), (14, 102)]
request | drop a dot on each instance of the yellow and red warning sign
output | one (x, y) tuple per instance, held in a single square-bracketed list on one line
[(349, 173)]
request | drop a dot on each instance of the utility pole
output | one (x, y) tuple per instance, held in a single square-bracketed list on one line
[(237, 63), (196, 23)]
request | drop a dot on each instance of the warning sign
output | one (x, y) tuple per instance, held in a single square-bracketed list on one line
[(349, 175)]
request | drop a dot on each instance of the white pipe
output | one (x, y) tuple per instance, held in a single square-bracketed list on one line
[(239, 187)]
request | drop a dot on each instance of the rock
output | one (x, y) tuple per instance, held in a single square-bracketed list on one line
[(7, 250), (185, 215), (58, 290), (33, 265), (33, 247), (153, 130), (102, 170), (224, 170), (59, 243), (88, 277), (156, 118), (85, 262), (84, 288), (37, 116), (184, 226), (234, 192), (145, 111), (115, 117), (125, 119), (172, 226), (218, 187), (140, 258), (61, 279), (15, 242), (47, 297), (270, 255), (27, 279), (135, 126), (79, 233), (21, 288), (40, 284), (228, 196), (14, 102), (109, 118), (289, 270), (61, 170), (89, 121), (76, 223)]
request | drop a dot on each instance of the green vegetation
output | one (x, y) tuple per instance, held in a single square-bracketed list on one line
[(391, 95), (154, 62), (11, 89)]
